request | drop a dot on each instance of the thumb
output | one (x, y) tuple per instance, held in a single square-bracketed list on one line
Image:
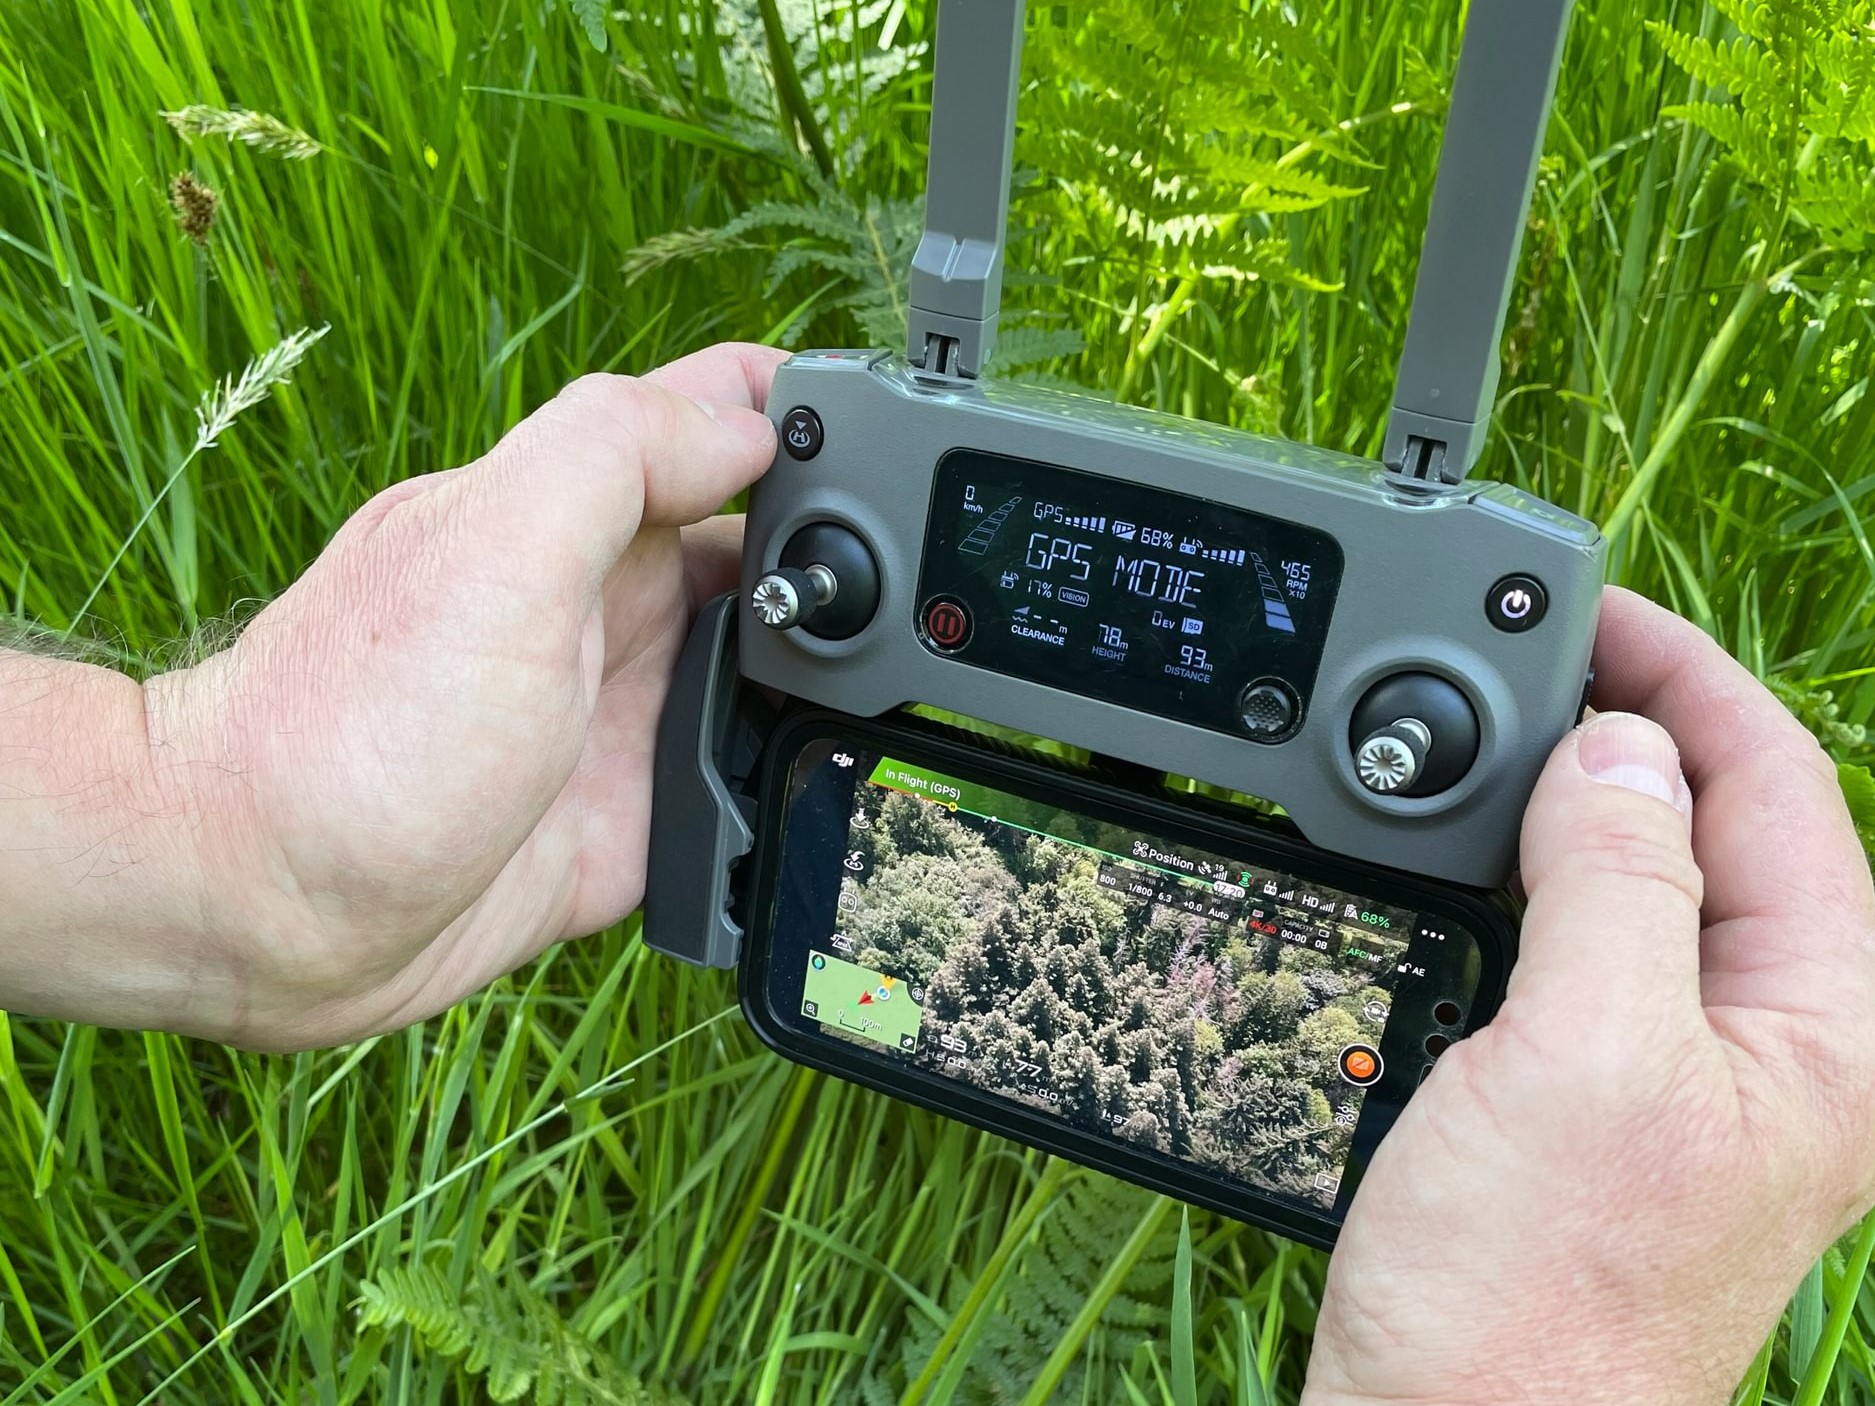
[(570, 486), (1611, 932)]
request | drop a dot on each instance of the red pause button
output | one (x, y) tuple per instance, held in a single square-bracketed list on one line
[(946, 623)]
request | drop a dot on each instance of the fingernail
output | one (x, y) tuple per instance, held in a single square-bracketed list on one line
[(1621, 749), (744, 423)]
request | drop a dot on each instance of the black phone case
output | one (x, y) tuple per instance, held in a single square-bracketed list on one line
[(1210, 824)]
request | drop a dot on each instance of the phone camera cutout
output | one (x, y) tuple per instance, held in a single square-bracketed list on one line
[(1447, 1013), (1437, 1044)]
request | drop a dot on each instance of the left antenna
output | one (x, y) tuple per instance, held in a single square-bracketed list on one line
[(957, 273)]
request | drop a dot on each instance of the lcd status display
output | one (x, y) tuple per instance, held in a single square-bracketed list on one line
[(1226, 1015), (1157, 601)]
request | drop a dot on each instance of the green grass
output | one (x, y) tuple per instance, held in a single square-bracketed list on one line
[(591, 1170)]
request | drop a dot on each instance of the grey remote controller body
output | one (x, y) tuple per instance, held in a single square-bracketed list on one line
[(1385, 649), (1489, 592)]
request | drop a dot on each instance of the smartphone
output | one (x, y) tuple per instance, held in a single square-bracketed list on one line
[(1184, 995)]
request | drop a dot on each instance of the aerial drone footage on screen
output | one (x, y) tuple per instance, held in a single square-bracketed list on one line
[(1119, 981)]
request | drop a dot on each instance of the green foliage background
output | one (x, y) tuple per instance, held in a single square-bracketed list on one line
[(588, 1183)]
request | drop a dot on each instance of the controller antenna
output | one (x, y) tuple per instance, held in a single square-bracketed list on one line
[(957, 272), (1494, 131)]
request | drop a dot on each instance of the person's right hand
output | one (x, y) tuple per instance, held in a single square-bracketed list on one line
[(1608, 1194)]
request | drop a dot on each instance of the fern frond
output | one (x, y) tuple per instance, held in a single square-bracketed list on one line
[(790, 261), (591, 17), (1049, 1286), (508, 1334), (419, 1297), (1793, 107), (834, 221), (1024, 344), (1258, 177), (1753, 17), (1738, 66), (1267, 260)]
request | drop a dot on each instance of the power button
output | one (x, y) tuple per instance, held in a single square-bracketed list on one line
[(1516, 603)]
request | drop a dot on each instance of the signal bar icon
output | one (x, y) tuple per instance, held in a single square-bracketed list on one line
[(1086, 524), (1230, 556)]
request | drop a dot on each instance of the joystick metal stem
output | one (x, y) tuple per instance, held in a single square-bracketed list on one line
[(787, 597), (1391, 758)]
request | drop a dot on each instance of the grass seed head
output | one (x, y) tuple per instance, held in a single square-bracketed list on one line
[(255, 129), (220, 406), (196, 206)]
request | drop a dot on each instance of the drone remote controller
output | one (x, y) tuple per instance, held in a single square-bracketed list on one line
[(1386, 650), (1391, 664)]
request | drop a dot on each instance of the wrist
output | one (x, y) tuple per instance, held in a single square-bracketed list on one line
[(1586, 1368), (102, 860), (267, 970), (276, 914)]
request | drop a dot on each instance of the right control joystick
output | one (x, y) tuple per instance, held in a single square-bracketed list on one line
[(1413, 735), (1392, 758)]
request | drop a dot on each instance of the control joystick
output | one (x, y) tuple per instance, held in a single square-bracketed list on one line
[(826, 584), (1393, 757), (788, 596), (1413, 735)]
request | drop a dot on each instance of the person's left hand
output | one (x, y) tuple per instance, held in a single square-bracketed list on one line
[(431, 757)]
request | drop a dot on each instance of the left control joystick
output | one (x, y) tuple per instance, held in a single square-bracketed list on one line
[(827, 583), (789, 596)]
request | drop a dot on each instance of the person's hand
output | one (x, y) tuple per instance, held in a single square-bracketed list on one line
[(431, 757), (1608, 1193)]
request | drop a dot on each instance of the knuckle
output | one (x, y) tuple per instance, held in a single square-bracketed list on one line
[(1635, 844), (594, 387), (382, 506), (596, 403), (626, 412), (1812, 761)]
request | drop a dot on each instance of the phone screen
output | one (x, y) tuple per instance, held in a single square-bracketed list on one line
[(1187, 1000)]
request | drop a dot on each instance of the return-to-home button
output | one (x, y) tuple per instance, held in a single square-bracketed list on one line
[(1516, 603), (946, 622)]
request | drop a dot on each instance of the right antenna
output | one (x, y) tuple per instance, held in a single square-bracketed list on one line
[(1442, 402)]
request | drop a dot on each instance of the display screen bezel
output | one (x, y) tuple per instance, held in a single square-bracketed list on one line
[(1254, 840), (1246, 654)]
